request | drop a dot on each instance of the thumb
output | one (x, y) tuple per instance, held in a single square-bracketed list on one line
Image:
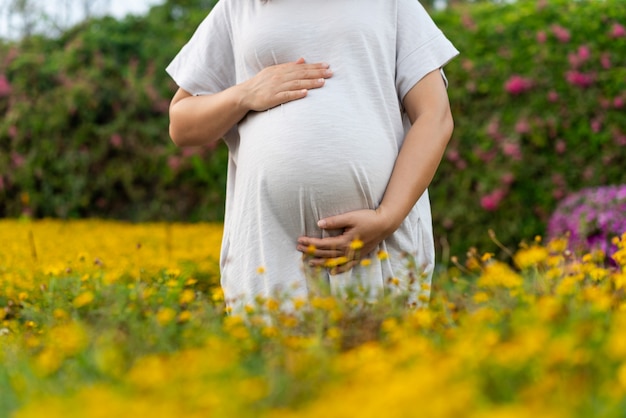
[(335, 222)]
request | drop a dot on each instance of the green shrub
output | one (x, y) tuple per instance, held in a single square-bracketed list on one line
[(84, 131), (538, 96)]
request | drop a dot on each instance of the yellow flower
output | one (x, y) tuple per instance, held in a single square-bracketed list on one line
[(356, 244), (557, 245), (530, 257), (621, 376), (59, 314), (69, 339), (299, 303), (394, 281), (272, 305), (165, 315), (335, 262), (172, 272), (567, 286), (620, 280), (333, 333), (83, 299), (366, 262), (382, 255), (269, 331), (184, 316), (597, 274), (48, 361), (260, 270), (186, 296), (480, 297), (498, 274), (217, 294)]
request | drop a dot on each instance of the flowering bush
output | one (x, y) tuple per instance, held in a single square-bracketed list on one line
[(592, 217), (119, 319), (538, 96)]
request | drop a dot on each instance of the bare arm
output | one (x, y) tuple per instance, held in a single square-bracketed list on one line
[(199, 120), (428, 109)]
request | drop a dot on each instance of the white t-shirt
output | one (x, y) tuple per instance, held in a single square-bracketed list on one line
[(326, 154)]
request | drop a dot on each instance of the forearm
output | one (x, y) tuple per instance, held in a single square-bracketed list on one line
[(201, 120), (416, 165), (198, 120)]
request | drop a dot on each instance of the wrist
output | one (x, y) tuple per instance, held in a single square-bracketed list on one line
[(390, 221), (240, 98)]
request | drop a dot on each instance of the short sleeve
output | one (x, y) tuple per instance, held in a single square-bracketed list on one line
[(421, 47), (205, 65)]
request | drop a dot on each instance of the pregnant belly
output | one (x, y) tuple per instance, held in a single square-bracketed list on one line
[(314, 166)]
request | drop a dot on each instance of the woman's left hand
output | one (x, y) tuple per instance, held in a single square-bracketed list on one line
[(362, 231)]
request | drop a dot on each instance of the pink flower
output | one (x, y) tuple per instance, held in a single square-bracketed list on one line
[(453, 155), (468, 65), (618, 102), (468, 22), (574, 61), (561, 33), (522, 127), (560, 147), (558, 194), (605, 60), (596, 125), (493, 130), (17, 160), (507, 178), (116, 140), (491, 201), (512, 150), (12, 131), (541, 37), (619, 139), (584, 52), (10, 56), (517, 85), (579, 79), (553, 96), (617, 31), (486, 156), (190, 152), (174, 163), (558, 180), (5, 87)]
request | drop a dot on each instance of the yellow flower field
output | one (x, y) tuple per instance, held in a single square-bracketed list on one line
[(106, 319)]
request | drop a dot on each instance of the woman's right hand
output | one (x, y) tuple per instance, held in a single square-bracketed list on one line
[(283, 83)]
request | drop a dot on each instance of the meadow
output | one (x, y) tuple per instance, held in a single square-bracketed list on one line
[(102, 318)]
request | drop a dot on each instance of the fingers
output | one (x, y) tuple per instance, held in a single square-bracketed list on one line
[(282, 83), (334, 265), (338, 243)]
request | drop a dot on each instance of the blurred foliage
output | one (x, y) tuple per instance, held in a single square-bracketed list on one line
[(84, 127), (538, 98)]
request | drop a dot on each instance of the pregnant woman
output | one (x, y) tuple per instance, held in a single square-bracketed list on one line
[(336, 117)]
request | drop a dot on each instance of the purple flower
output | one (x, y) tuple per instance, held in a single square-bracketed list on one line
[(592, 217)]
